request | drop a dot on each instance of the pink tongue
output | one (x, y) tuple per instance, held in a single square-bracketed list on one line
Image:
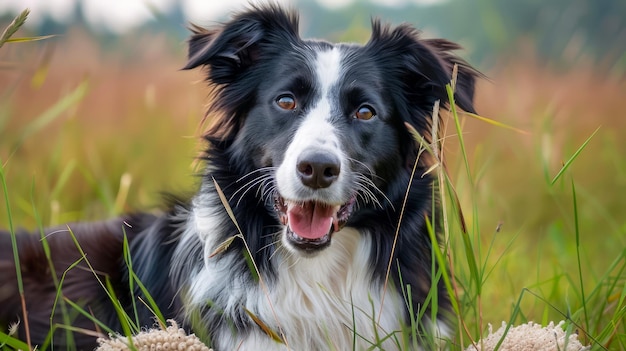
[(311, 220)]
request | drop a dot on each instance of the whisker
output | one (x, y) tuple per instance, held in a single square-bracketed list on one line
[(274, 233), (251, 183), (278, 248), (255, 182), (366, 188), (370, 195), (243, 194), (268, 245), (369, 170), (258, 170), (269, 188)]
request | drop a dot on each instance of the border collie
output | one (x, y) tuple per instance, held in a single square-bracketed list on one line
[(309, 147)]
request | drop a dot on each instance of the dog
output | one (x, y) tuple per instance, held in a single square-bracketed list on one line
[(309, 230)]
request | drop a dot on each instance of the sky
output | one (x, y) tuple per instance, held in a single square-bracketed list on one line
[(122, 15)]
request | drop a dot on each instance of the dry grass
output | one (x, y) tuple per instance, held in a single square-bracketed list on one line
[(139, 116)]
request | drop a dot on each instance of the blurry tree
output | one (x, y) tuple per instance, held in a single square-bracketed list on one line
[(563, 32), (560, 31)]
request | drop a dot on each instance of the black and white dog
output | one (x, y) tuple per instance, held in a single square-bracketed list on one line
[(309, 146)]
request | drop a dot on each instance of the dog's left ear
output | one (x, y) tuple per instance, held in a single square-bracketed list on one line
[(466, 74), (424, 66)]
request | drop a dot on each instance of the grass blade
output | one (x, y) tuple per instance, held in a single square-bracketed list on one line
[(27, 39), (580, 270), (465, 235), (125, 321), (65, 103), (459, 131), (16, 257), (223, 246), (571, 159), (226, 205), (266, 329), (8, 340), (88, 315), (496, 123), (249, 259), (131, 285), (151, 304), (396, 235), (69, 338)]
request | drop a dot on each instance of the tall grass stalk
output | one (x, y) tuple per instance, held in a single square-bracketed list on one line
[(475, 273), (9, 31), (578, 260), (255, 270), (69, 339), (16, 256)]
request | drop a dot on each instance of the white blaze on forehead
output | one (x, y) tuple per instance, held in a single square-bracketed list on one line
[(328, 70)]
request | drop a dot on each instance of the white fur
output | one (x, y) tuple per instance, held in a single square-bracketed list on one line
[(205, 283), (328, 69), (319, 303), (316, 132)]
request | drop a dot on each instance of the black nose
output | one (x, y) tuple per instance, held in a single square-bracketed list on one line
[(318, 169)]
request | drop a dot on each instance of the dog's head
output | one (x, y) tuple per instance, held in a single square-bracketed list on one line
[(319, 128)]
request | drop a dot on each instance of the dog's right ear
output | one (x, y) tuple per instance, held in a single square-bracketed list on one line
[(228, 51)]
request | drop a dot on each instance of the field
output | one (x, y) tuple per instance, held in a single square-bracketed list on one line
[(88, 133)]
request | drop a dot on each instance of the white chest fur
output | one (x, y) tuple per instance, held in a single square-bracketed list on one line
[(325, 302)]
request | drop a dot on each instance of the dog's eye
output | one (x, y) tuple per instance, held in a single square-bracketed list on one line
[(286, 102), (365, 112)]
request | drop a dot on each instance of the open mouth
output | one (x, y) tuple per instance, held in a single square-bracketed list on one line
[(310, 224)]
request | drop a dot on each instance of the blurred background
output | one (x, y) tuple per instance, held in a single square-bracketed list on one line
[(99, 120)]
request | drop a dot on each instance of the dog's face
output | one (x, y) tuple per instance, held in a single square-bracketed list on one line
[(322, 126), (332, 134)]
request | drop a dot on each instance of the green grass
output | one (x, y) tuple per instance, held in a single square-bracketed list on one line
[(542, 232)]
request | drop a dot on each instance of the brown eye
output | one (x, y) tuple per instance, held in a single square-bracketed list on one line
[(286, 102), (365, 112)]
